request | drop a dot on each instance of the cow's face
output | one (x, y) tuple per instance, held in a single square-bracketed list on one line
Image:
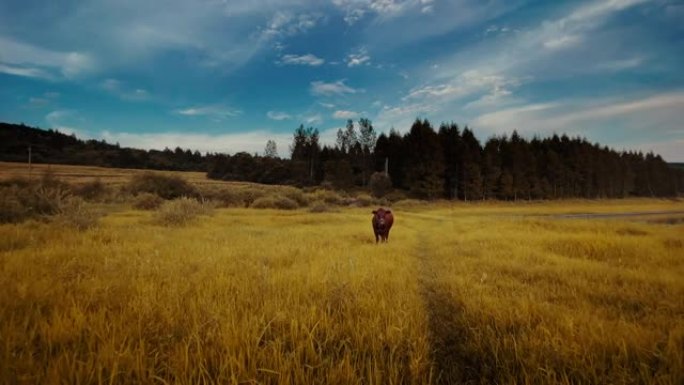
[(380, 217)]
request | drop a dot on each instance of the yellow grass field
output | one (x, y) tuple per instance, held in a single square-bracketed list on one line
[(478, 293), (81, 174)]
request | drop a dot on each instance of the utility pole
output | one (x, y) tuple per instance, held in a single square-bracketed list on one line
[(29, 161)]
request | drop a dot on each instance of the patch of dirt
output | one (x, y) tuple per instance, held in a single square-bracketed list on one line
[(447, 337)]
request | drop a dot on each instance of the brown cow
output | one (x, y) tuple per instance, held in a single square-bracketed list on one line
[(382, 223)]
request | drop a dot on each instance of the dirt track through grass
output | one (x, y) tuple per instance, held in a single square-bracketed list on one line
[(445, 336)]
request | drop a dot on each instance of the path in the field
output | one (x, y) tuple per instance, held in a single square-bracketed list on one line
[(446, 334)]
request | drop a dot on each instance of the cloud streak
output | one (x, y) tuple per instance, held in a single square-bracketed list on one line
[(308, 59), (218, 112), (278, 115), (320, 88)]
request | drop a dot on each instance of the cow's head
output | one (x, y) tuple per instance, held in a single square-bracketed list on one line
[(380, 216)]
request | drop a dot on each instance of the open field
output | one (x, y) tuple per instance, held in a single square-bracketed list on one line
[(463, 293), (82, 174)]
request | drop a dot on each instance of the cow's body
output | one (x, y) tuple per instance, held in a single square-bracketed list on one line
[(382, 223)]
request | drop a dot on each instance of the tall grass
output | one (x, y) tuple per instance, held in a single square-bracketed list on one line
[(460, 294)]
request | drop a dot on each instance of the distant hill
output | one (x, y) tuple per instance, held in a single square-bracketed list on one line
[(678, 166), (51, 146)]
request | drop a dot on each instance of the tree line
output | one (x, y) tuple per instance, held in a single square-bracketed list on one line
[(426, 162), (450, 162), (52, 146)]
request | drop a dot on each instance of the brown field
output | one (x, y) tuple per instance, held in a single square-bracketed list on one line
[(83, 174), (477, 293)]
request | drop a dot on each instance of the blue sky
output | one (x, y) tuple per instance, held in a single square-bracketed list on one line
[(224, 75)]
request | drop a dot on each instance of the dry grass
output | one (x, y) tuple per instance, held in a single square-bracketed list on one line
[(109, 176), (464, 293)]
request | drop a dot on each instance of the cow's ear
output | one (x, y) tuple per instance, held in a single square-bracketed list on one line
[(375, 211)]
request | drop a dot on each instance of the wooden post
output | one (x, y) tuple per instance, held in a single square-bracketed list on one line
[(387, 166), (29, 161)]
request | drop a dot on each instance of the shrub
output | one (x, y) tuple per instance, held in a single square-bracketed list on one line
[(228, 197), (275, 202), (327, 196), (380, 184), (147, 201), (44, 200), (296, 195), (250, 195), (180, 211), (91, 191), (166, 186), (75, 212), (11, 207), (320, 207), (25, 200), (363, 200)]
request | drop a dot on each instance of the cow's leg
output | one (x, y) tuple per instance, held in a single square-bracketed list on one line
[(377, 237)]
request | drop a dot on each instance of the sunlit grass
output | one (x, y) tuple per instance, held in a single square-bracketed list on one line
[(467, 293)]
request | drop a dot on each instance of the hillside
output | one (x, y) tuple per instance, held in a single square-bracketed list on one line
[(54, 147)]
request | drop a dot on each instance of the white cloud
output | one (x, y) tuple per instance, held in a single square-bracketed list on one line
[(327, 89), (28, 60), (120, 89), (326, 105), (561, 42), (278, 115), (313, 119), (284, 24), (494, 86), (308, 59), (251, 142), (355, 10), (358, 58), (635, 118), (344, 114), (670, 150), (217, 112), (401, 117), (547, 49), (29, 72), (621, 64), (66, 121)]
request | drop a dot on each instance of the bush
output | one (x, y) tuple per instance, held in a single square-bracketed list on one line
[(147, 201), (380, 184), (296, 195), (12, 209), (75, 212), (275, 202), (228, 197), (329, 197), (44, 200), (319, 207), (91, 191), (363, 200), (250, 195), (165, 186), (180, 211), (25, 200)]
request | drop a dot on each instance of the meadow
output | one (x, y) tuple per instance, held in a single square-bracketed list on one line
[(478, 293)]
